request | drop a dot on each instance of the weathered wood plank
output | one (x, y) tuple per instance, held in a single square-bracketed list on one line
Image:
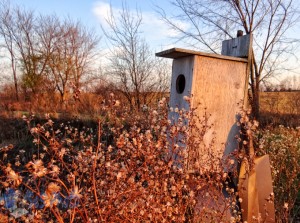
[(218, 86), (237, 47), (182, 66)]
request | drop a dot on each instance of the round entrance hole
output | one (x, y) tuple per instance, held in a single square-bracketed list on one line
[(180, 84)]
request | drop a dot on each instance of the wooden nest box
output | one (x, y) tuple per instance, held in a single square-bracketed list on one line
[(216, 85)]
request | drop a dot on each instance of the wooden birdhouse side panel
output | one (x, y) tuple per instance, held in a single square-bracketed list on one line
[(218, 86), (181, 82)]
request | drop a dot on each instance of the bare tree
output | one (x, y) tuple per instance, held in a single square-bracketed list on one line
[(292, 83), (158, 85), (211, 21), (6, 23), (48, 52), (132, 64), (72, 56), (19, 31)]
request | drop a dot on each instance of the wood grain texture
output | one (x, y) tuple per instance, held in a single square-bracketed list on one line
[(240, 47), (237, 47), (217, 88)]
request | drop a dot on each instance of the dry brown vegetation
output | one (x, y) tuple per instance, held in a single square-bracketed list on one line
[(93, 156), (120, 169), (281, 102), (280, 108)]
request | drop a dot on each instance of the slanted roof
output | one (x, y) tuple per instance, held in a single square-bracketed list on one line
[(175, 53)]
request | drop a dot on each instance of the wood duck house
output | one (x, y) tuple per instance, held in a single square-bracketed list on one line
[(216, 85)]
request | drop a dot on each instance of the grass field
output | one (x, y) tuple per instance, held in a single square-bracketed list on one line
[(281, 102), (280, 108)]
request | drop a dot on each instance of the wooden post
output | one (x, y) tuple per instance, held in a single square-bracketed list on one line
[(257, 181)]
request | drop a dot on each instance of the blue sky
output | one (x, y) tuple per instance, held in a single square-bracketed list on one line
[(92, 13)]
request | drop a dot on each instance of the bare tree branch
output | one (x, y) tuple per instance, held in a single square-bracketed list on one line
[(213, 20), (137, 74)]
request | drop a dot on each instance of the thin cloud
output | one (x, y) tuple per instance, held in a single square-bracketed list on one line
[(154, 30), (155, 24), (102, 11)]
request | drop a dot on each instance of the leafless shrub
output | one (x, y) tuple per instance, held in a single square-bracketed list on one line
[(283, 146), (135, 168)]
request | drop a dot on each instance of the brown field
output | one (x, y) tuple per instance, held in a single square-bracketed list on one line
[(277, 108), (281, 102), (280, 108)]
